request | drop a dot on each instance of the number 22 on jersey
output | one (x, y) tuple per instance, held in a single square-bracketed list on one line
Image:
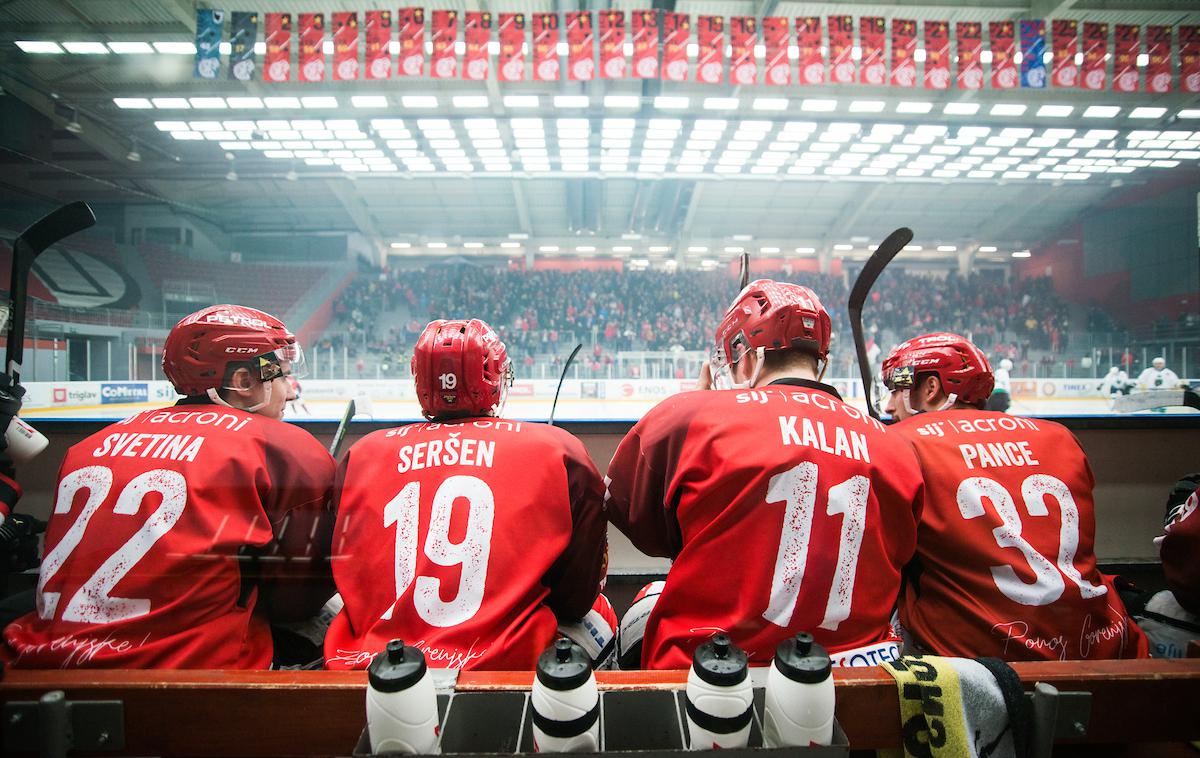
[(404, 512)]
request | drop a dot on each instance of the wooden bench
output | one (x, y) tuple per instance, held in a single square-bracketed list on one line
[(321, 713)]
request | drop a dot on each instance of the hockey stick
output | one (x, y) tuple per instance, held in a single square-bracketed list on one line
[(1151, 399), (52, 228), (745, 270), (567, 365), (875, 265), (340, 434)]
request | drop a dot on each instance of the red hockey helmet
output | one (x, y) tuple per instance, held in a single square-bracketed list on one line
[(461, 368), (205, 347), (961, 367), (772, 316)]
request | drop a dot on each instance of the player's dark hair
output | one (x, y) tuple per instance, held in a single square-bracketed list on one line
[(923, 375), (785, 360)]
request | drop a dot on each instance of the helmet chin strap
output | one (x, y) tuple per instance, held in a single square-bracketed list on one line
[(214, 396), (758, 369)]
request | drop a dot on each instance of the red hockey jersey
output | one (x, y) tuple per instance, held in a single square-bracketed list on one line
[(784, 510), (1005, 564), (466, 539), (176, 534)]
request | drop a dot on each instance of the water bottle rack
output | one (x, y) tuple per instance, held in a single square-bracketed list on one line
[(646, 722)]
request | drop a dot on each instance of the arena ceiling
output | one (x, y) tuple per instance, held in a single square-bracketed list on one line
[(413, 162)]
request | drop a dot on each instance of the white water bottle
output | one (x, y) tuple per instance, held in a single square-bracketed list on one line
[(799, 702), (566, 703), (719, 698), (402, 715)]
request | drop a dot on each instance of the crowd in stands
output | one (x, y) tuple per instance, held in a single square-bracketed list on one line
[(543, 313)]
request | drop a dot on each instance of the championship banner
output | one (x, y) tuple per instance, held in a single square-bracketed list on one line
[(312, 47), (1002, 35), (242, 36), (645, 44), (743, 63), (412, 41), (970, 48), (444, 32), (1189, 58), (710, 59), (378, 61), (904, 52), (345, 46), (1158, 50), (1033, 48), (676, 30), (278, 32), (841, 49), (612, 44), (937, 55), (872, 32), (581, 46), (477, 33), (210, 25), (1127, 43), (545, 47), (512, 48), (812, 59), (1095, 52), (1064, 37), (775, 40)]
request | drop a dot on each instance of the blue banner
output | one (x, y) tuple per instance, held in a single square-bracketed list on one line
[(124, 392), (1033, 46), (209, 25), (243, 33)]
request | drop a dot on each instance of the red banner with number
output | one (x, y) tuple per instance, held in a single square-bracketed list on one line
[(477, 33), (1003, 37), (278, 33), (775, 39), (581, 47), (676, 30), (1095, 51), (411, 22), (970, 49), (812, 59), (841, 50), (743, 37), (312, 47), (872, 32), (345, 46), (1189, 58), (937, 55), (612, 44), (511, 64), (444, 32), (378, 62), (545, 47), (710, 41), (1158, 50), (1064, 39), (645, 44), (904, 52), (1127, 43)]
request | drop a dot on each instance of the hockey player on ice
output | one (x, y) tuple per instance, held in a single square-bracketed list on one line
[(1158, 377), (1001, 398), (1116, 382)]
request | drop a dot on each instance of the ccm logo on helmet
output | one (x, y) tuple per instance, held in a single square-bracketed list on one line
[(234, 320), (248, 350)]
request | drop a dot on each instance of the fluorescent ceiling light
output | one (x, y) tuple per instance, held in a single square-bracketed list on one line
[(946, 248), (212, 103), (961, 109), (768, 250), (175, 48), (39, 46), (622, 101), (86, 48), (697, 249), (401, 245), (548, 249), (769, 104), (571, 101), (1055, 111), (132, 103), (470, 101), (1147, 112), (435, 245), (585, 249), (319, 101), (521, 101), (622, 249), (660, 248), (1022, 254), (129, 48), (369, 101), (806, 250), (671, 102), (1101, 111), (909, 106), (171, 126), (419, 101), (282, 103), (472, 245), (1008, 109), (721, 103), (987, 249), (867, 106), (818, 105), (843, 247), (244, 102)]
